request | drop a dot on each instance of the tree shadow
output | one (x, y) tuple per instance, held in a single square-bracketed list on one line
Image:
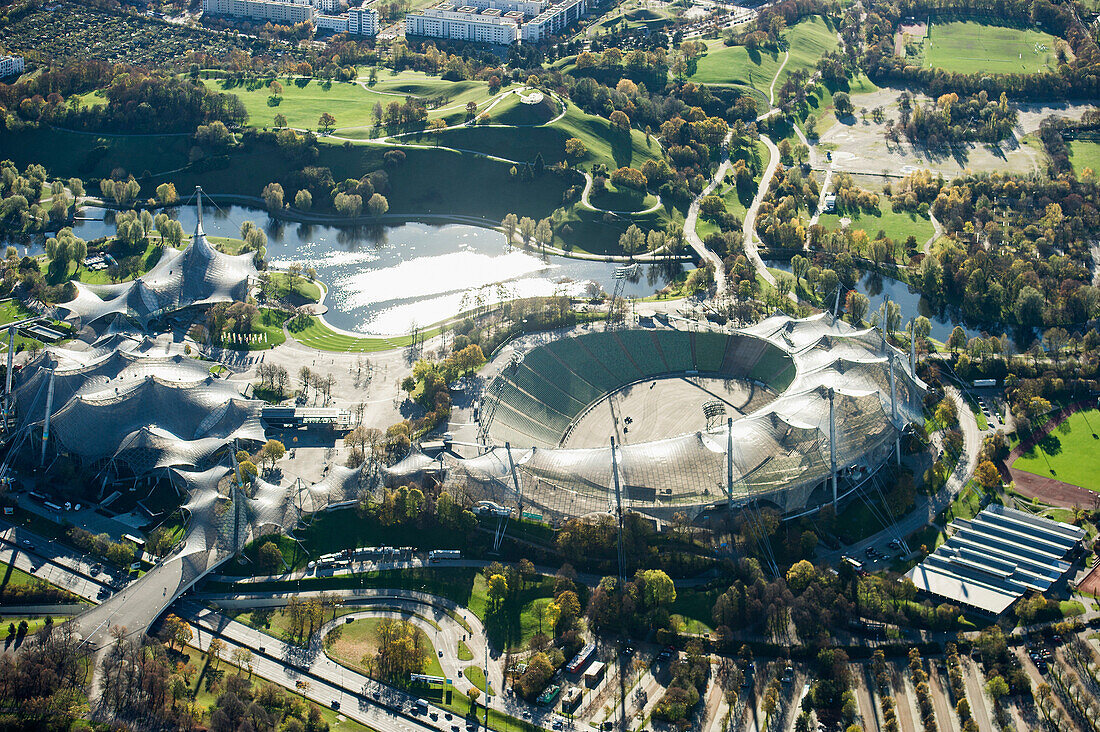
[(622, 148), (1051, 445)]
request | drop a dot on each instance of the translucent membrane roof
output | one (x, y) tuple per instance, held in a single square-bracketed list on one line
[(128, 400), (821, 368), (196, 275)]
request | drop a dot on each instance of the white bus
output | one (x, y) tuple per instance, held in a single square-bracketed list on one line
[(437, 555)]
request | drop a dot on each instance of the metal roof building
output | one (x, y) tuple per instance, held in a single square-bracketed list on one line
[(997, 557)]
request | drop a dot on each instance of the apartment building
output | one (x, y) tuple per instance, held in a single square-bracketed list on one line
[(289, 12), (496, 21), (11, 66)]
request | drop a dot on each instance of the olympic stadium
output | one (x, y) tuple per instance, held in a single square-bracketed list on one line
[(789, 413)]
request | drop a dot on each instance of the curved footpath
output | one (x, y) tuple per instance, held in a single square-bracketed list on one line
[(749, 227)]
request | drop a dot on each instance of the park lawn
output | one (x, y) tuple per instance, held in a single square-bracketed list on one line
[(34, 624), (737, 202), (898, 225), (320, 336), (301, 287), (359, 640), (277, 624), (92, 99), (612, 148), (303, 101), (149, 256), (820, 103), (694, 608), (400, 84), (1085, 154), (1070, 454), (446, 100), (11, 576), (969, 47), (808, 40), (966, 505), (514, 623), (614, 198), (12, 310), (269, 328)]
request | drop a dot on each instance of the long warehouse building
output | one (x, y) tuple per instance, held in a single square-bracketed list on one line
[(995, 558)]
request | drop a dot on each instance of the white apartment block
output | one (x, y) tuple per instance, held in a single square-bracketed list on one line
[(10, 66), (356, 22), (496, 21), (554, 19), (275, 11)]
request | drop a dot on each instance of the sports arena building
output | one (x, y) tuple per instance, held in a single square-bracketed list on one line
[(790, 413)]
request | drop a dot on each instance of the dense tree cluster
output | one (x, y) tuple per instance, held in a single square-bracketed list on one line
[(41, 687), (950, 120), (1020, 250), (119, 553), (137, 101)]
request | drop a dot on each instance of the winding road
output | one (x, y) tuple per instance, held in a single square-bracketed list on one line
[(752, 250)]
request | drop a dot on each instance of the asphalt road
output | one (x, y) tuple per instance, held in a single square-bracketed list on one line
[(283, 664)]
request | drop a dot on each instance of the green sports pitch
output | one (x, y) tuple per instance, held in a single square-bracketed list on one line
[(969, 47), (1070, 453)]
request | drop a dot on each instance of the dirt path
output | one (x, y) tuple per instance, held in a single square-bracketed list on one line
[(937, 232)]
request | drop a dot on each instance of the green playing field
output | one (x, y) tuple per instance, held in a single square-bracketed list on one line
[(969, 47)]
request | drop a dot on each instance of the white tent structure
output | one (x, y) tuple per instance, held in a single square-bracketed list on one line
[(127, 400), (198, 274)]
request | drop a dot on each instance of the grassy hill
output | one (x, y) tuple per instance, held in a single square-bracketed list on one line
[(605, 145), (807, 40)]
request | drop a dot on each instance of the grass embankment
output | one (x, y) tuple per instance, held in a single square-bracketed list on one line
[(318, 335), (974, 47), (204, 697), (1068, 453), (428, 183), (808, 40), (898, 225)]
